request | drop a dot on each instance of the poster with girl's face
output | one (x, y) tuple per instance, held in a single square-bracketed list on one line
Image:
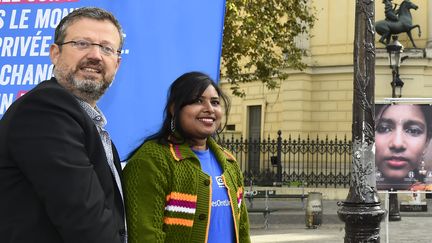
[(403, 154)]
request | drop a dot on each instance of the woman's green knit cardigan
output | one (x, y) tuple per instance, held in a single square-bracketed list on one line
[(167, 195)]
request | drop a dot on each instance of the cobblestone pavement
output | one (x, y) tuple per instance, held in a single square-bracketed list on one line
[(288, 225)]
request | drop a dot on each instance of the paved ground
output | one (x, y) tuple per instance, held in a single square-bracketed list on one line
[(288, 225)]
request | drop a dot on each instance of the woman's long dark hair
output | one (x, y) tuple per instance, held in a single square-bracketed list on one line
[(185, 90)]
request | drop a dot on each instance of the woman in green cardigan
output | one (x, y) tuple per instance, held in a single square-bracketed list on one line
[(180, 185)]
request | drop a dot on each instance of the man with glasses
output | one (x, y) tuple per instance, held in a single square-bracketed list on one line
[(59, 171)]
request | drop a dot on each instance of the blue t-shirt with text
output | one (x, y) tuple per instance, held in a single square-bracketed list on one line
[(221, 228)]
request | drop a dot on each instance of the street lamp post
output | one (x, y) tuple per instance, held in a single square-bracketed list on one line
[(394, 50), (397, 85), (361, 210)]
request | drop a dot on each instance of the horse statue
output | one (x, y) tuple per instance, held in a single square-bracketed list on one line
[(388, 27)]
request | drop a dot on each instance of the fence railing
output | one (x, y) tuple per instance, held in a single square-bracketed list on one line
[(309, 162)]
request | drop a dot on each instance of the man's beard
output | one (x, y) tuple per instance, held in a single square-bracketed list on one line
[(88, 89)]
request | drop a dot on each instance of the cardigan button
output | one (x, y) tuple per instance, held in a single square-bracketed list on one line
[(206, 182), (202, 216)]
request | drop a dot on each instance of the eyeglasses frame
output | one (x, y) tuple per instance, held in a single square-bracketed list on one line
[(74, 42)]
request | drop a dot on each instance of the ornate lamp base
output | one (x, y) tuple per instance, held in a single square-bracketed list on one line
[(362, 221)]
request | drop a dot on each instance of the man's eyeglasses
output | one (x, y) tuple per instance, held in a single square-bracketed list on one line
[(85, 45)]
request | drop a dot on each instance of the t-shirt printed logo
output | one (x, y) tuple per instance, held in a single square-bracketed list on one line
[(221, 203), (219, 181)]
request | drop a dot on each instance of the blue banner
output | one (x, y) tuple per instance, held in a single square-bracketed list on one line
[(163, 39)]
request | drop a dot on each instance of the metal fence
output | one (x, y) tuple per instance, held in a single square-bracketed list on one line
[(293, 162)]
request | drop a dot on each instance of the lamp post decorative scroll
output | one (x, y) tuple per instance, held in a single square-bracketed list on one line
[(361, 210), (361, 171)]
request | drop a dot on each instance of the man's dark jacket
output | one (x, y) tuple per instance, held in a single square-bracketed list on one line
[(55, 183)]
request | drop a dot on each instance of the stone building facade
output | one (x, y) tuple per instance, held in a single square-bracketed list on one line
[(318, 100)]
